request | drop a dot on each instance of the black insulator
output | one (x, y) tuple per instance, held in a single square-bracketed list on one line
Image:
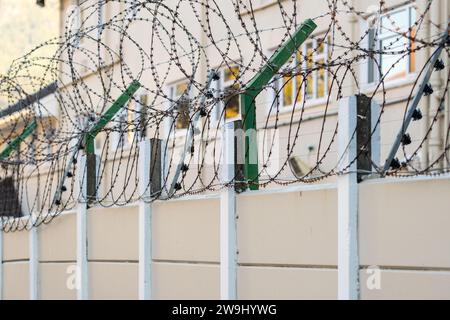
[(395, 164), (216, 76), (69, 174), (177, 186), (63, 188), (80, 147), (439, 65), (428, 90), (203, 112), (58, 202), (192, 149), (417, 115), (184, 167), (209, 94), (406, 139), (74, 161)]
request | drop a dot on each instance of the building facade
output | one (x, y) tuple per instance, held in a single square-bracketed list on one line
[(286, 235)]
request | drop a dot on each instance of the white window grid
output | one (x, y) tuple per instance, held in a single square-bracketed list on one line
[(381, 35), (279, 82)]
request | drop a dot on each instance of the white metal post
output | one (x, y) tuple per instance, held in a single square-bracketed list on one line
[(348, 261), (34, 259), (1, 259), (82, 249), (228, 245), (145, 219)]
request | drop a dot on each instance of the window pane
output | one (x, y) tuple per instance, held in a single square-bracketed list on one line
[(231, 102), (183, 114), (321, 79), (299, 58), (309, 86), (309, 55), (231, 74), (181, 88), (298, 87), (288, 86), (388, 60), (320, 47), (392, 23)]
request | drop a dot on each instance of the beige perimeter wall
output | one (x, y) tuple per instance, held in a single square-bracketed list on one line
[(287, 246)]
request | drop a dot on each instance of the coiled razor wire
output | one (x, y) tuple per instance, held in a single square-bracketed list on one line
[(106, 45)]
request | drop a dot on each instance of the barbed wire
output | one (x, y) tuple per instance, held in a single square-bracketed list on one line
[(170, 48)]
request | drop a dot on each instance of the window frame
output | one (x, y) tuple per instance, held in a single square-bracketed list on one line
[(277, 93), (374, 71)]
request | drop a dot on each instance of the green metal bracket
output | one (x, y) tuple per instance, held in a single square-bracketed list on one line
[(109, 115), (12, 145), (254, 88)]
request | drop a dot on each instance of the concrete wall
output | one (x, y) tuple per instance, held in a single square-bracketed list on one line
[(287, 246), (403, 230)]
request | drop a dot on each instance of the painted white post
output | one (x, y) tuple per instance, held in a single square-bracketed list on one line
[(34, 259), (82, 253), (145, 219), (228, 245), (348, 261), (1, 259)]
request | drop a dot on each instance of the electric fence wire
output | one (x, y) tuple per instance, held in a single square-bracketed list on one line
[(106, 45)]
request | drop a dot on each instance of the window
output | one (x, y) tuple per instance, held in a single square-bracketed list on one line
[(179, 95), (228, 88), (391, 36), (140, 117), (310, 61)]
